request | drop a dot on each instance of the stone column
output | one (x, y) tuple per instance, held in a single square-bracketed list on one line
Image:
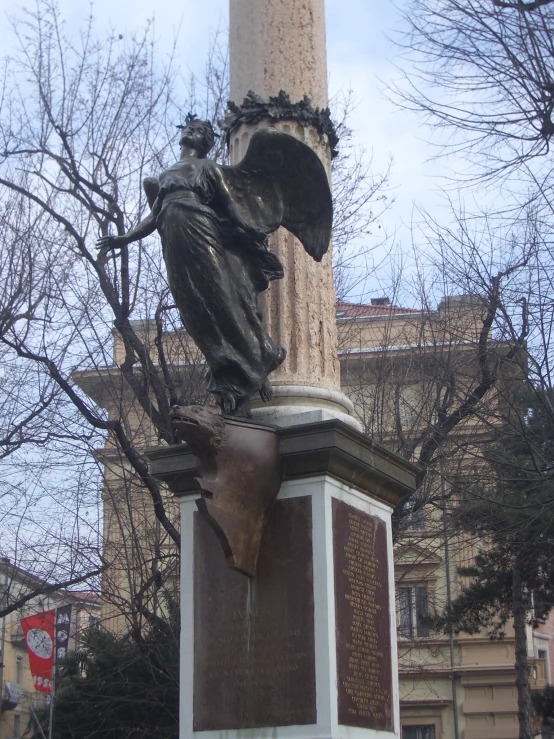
[(280, 45)]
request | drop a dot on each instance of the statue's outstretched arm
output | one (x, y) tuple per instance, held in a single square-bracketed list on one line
[(144, 228)]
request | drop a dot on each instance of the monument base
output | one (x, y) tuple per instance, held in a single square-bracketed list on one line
[(306, 648), (293, 405)]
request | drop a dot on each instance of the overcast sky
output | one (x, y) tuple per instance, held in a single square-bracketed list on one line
[(360, 57)]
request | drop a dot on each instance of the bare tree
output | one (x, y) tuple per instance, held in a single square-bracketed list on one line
[(82, 122), (430, 371), (442, 387), (482, 71), (360, 197), (520, 5)]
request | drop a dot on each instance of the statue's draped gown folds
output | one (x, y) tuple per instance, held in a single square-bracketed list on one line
[(213, 221)]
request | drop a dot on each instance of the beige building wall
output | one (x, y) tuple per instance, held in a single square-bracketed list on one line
[(391, 359)]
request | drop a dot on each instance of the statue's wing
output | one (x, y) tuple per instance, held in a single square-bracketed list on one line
[(281, 182), (151, 187)]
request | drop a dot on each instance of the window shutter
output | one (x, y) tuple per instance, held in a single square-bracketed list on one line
[(422, 610)]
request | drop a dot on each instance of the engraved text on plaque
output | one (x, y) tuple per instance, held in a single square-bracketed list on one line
[(362, 619), (254, 661)]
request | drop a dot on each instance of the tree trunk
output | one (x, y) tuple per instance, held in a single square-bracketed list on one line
[(525, 709)]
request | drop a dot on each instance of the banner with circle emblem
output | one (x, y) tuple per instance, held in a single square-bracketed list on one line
[(39, 632)]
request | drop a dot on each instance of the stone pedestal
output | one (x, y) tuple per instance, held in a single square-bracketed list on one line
[(306, 648)]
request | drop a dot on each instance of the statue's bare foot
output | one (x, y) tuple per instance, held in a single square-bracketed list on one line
[(266, 391)]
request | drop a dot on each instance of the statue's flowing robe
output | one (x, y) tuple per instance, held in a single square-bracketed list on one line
[(215, 273), (216, 269)]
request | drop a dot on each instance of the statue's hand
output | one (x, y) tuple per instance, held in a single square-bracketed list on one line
[(109, 243)]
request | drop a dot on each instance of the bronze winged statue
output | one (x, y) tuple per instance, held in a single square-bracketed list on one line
[(214, 221)]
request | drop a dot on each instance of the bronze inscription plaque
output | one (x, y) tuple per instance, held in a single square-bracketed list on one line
[(254, 662), (364, 670)]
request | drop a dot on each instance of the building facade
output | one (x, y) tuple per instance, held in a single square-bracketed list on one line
[(20, 702), (396, 366)]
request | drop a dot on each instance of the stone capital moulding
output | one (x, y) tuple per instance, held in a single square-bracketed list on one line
[(324, 448), (280, 108), (294, 405)]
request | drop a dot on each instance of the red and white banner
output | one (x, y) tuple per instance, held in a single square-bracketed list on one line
[(39, 631)]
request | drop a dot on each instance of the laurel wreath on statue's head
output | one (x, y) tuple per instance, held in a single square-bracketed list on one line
[(191, 117)]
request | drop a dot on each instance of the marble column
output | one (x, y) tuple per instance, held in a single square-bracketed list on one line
[(280, 45)]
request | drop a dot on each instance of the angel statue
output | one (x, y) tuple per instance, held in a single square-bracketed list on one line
[(213, 222)]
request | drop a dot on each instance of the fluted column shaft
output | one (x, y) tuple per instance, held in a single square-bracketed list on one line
[(280, 45)]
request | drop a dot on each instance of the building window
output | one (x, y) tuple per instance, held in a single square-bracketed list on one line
[(543, 654), (414, 513), (18, 669), (17, 725), (538, 605), (419, 732), (93, 622), (413, 609)]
